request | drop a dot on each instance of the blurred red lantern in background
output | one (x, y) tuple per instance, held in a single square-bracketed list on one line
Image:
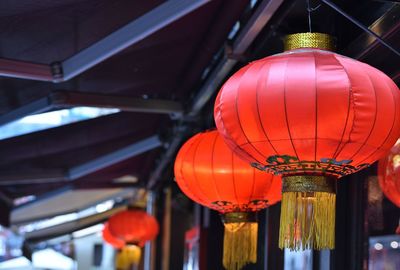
[(389, 175), (111, 239), (132, 228), (209, 173)]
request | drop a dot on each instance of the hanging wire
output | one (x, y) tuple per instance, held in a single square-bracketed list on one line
[(309, 10), (309, 16), (360, 25)]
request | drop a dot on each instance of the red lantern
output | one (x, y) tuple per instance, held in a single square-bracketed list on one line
[(133, 227), (311, 116), (111, 239), (209, 173), (389, 175), (127, 255)]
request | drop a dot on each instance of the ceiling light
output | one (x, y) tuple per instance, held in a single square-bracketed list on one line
[(378, 246), (126, 179)]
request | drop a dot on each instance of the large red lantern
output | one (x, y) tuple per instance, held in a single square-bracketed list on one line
[(389, 175), (311, 116), (209, 173), (133, 227)]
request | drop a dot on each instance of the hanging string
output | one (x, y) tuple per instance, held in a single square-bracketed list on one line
[(309, 16), (309, 10)]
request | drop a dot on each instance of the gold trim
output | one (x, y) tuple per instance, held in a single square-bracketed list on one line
[(309, 40), (308, 183), (240, 245), (307, 220), (239, 217)]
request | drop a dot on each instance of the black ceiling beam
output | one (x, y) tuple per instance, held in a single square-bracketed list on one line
[(25, 70), (388, 1), (67, 99), (114, 157), (83, 134), (135, 31), (366, 48), (123, 103), (27, 213), (38, 106), (86, 146), (70, 227), (260, 18), (37, 176), (34, 176), (361, 26), (262, 15), (386, 26)]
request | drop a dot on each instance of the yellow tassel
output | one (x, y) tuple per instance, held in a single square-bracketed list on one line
[(307, 220), (129, 256), (240, 244)]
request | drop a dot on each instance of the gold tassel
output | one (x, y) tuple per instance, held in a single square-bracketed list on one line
[(240, 240), (307, 215), (129, 256)]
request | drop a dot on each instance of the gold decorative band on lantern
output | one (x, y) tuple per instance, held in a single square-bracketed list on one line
[(308, 183), (239, 217), (309, 40)]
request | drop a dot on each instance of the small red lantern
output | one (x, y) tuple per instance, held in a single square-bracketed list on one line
[(209, 173), (111, 239), (311, 116), (134, 228)]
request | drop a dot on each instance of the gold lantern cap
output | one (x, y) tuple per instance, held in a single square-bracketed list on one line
[(309, 40)]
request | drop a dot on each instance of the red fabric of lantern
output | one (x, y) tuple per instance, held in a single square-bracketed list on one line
[(311, 116), (133, 226), (389, 175), (309, 111), (111, 239), (209, 173)]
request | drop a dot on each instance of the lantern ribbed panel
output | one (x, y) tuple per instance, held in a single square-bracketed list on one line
[(111, 239), (133, 226), (208, 172), (389, 175), (309, 111)]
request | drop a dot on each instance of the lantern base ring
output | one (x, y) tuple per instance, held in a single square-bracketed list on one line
[(309, 183), (239, 217)]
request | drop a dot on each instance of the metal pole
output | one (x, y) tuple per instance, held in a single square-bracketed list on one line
[(360, 25), (149, 248), (166, 236)]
